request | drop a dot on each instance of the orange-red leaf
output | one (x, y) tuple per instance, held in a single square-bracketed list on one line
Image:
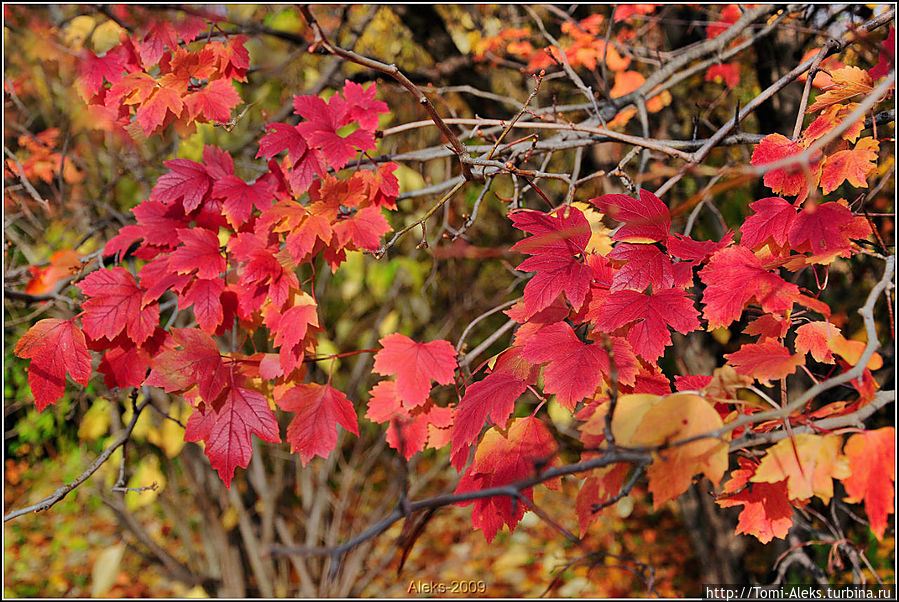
[(872, 460), (789, 181), (415, 365), (319, 409), (766, 513), (56, 348), (850, 165), (813, 337), (765, 361), (847, 83)]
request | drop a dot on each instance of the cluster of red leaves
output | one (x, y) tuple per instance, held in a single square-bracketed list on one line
[(228, 249), (590, 322), (156, 79), (847, 158)]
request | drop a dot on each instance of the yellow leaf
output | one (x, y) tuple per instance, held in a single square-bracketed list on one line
[(106, 569), (146, 475), (676, 418), (600, 236), (819, 462), (95, 423)]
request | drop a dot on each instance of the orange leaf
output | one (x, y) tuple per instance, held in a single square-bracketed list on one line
[(852, 165), (813, 337), (602, 485), (808, 462), (675, 418), (847, 82), (851, 351), (765, 361), (43, 280), (872, 459), (766, 513), (789, 181)]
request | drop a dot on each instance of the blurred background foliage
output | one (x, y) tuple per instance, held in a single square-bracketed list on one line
[(88, 178)]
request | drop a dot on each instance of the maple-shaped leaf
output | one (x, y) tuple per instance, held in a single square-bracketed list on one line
[(831, 118), (557, 242), (125, 364), (362, 230), (153, 112), (872, 474), (654, 313), (691, 382), (158, 276), (808, 462), (290, 328), (492, 397), (233, 57), (55, 348), (384, 187), (94, 69), (813, 336), (361, 105), (243, 413), (200, 252), (675, 418), (302, 174), (205, 295), (214, 102), (850, 165), (766, 512), (768, 325), (765, 361), (323, 120), (409, 430), (198, 362), (847, 83), (319, 409), (825, 230), (771, 221), (415, 365), (282, 136), (886, 58), (733, 277), (160, 34), (240, 197), (645, 265), (115, 304), (603, 484), (575, 369), (789, 181), (188, 182), (645, 220), (500, 460)]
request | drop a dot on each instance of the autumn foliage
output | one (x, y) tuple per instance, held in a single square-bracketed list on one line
[(612, 283)]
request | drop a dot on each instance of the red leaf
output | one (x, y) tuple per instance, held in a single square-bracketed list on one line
[(766, 513), (214, 102), (363, 230), (362, 106), (56, 348), (646, 220), (415, 365), (692, 382), (243, 412), (205, 296), (771, 221), (319, 409), (813, 337), (576, 368), (290, 328), (732, 278), (240, 197), (789, 181), (645, 265), (160, 35), (654, 313), (728, 73), (872, 461), (408, 431), (321, 125), (197, 363), (234, 58), (219, 163), (492, 397), (824, 230), (886, 57), (188, 182), (94, 69), (282, 136), (765, 361), (554, 274), (554, 233), (500, 460), (696, 250), (116, 304), (200, 252)]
